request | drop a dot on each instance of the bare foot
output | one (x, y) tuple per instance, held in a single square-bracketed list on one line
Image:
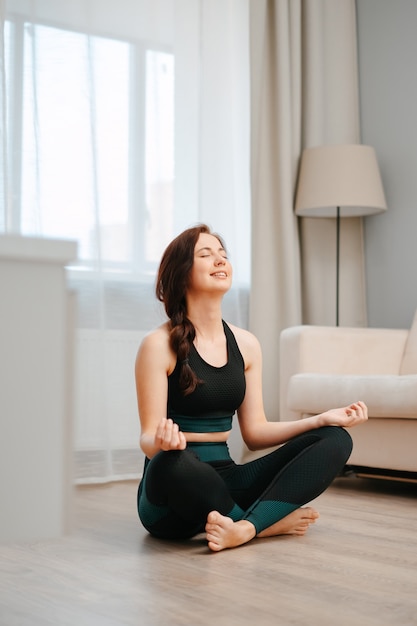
[(296, 523), (222, 532)]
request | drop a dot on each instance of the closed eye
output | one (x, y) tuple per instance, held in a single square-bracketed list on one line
[(205, 252)]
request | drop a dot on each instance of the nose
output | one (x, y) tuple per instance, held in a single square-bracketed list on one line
[(220, 260)]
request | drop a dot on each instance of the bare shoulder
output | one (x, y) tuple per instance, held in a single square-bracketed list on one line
[(248, 344), (157, 338), (155, 347)]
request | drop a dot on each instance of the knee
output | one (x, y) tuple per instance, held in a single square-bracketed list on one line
[(164, 468), (168, 459), (340, 438), (344, 440), (171, 462)]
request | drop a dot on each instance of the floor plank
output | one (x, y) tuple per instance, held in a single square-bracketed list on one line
[(356, 566)]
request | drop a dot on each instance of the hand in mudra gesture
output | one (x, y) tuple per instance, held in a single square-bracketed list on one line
[(169, 437), (347, 416)]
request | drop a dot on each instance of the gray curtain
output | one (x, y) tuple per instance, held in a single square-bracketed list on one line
[(304, 92), (3, 139)]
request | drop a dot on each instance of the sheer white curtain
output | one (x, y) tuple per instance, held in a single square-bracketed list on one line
[(123, 123)]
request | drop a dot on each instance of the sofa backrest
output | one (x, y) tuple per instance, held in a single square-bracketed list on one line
[(409, 361)]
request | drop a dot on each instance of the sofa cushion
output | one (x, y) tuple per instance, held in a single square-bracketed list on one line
[(385, 395), (409, 361)]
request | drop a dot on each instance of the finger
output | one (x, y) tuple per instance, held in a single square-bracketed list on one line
[(178, 440), (183, 441), (361, 411), (163, 434), (159, 433), (167, 435), (364, 409), (174, 441), (359, 407), (354, 406)]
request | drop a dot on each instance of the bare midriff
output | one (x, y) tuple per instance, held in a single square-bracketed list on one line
[(207, 437)]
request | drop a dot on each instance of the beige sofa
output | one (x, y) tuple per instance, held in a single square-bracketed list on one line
[(324, 367)]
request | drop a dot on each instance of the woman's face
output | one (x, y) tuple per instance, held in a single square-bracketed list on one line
[(211, 269)]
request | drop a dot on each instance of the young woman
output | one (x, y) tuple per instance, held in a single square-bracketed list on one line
[(192, 374)]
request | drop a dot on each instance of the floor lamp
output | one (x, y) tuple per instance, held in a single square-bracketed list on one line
[(339, 181)]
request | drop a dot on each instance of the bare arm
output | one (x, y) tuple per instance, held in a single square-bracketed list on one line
[(257, 432), (154, 362)]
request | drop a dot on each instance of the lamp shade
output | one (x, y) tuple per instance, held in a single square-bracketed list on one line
[(344, 176)]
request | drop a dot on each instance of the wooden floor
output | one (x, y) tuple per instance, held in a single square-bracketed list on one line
[(356, 566)]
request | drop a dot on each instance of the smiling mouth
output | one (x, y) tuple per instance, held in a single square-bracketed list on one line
[(220, 274)]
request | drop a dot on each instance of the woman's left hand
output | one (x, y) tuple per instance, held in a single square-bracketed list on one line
[(346, 417)]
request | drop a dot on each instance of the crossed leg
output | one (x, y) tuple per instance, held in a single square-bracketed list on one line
[(236, 503), (321, 456)]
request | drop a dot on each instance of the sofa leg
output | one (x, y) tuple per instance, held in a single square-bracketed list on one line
[(375, 472)]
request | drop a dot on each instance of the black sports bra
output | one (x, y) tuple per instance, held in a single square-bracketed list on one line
[(211, 406)]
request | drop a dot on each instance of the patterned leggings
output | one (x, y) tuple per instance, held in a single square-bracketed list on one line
[(179, 488)]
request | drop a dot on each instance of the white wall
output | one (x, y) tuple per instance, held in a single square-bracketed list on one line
[(388, 94)]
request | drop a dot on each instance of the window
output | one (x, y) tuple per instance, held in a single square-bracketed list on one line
[(91, 143)]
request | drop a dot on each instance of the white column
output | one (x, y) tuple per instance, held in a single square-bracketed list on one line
[(36, 363)]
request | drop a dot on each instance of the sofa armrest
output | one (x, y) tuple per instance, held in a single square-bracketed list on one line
[(337, 350), (385, 396)]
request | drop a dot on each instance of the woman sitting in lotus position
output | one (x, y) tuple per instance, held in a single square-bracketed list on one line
[(192, 374)]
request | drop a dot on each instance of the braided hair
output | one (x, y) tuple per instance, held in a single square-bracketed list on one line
[(171, 285)]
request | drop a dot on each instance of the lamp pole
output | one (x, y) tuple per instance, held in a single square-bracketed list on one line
[(342, 177), (337, 262)]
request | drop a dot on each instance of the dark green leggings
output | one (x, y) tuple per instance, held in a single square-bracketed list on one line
[(179, 488)]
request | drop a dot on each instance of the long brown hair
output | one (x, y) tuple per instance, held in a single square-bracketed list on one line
[(171, 285)]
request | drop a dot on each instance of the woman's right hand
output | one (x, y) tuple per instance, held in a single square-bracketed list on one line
[(168, 436)]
